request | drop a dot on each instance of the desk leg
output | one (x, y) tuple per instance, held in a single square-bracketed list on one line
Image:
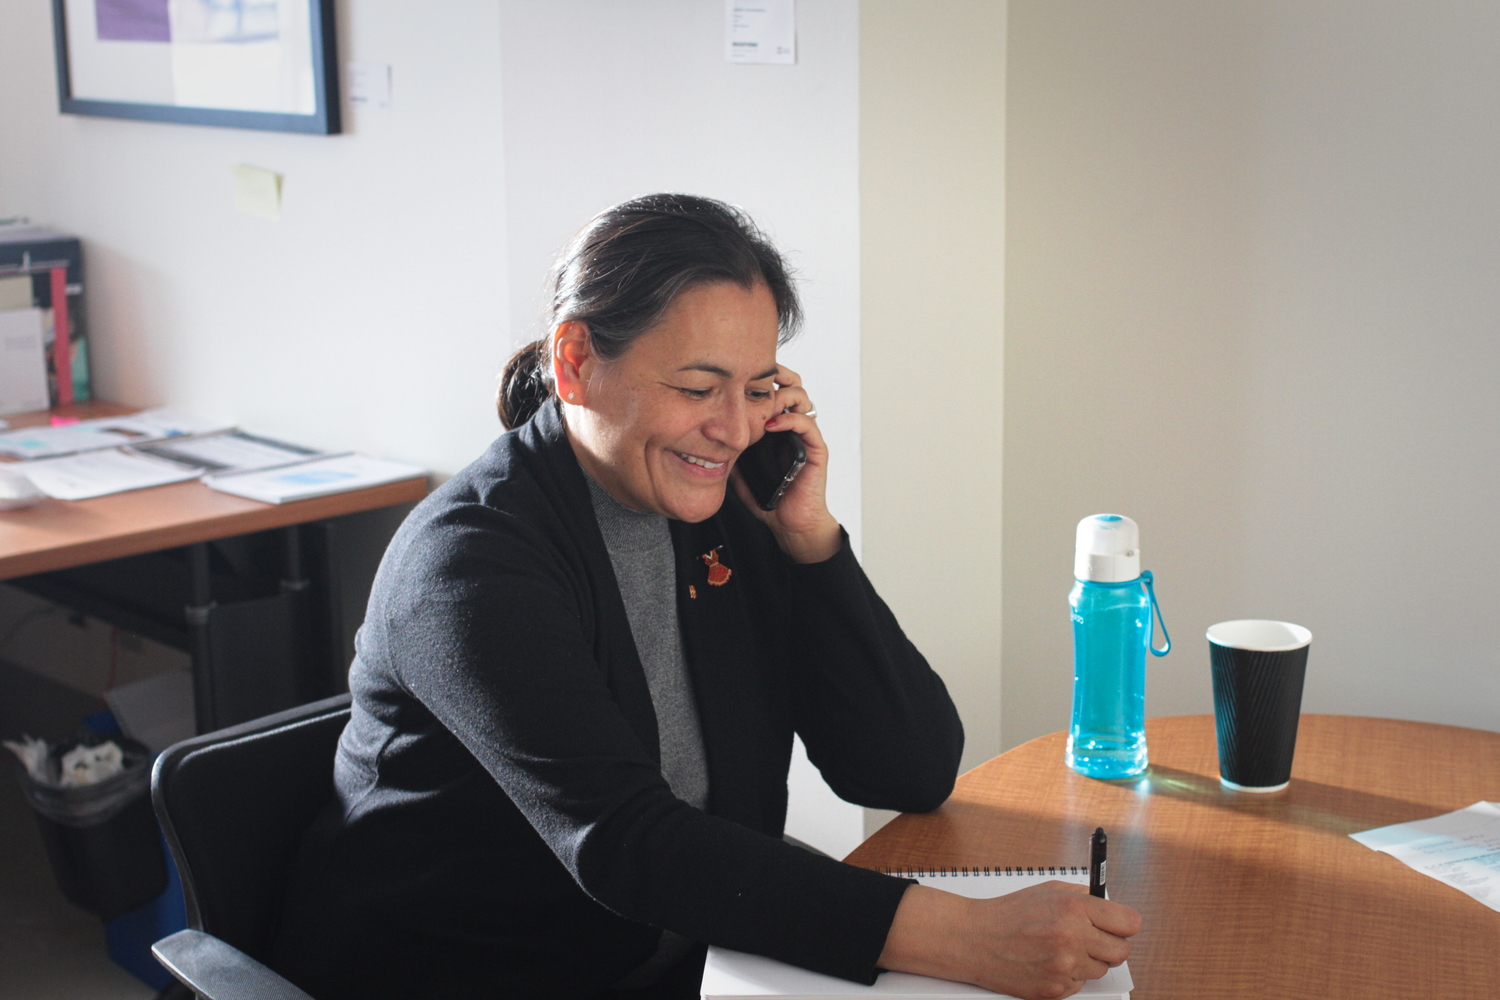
[(198, 612), (259, 616), (295, 593), (257, 655)]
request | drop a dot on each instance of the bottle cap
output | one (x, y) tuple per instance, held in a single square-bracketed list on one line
[(1109, 549)]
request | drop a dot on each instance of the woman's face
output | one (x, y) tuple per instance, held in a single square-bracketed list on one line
[(660, 428)]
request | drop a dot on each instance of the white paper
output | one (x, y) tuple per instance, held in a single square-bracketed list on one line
[(230, 451), (99, 473), (23, 362), (33, 754), (106, 432), (45, 442), (370, 85), (334, 474), (1461, 848), (760, 31), (90, 765), (732, 975)]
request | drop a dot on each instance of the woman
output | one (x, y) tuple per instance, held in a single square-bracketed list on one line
[(584, 660)]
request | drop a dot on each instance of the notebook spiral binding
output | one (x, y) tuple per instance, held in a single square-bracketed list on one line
[(962, 872)]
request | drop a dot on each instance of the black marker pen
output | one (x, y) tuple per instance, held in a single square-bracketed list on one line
[(1097, 844)]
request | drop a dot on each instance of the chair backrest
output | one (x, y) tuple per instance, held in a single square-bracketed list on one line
[(234, 806)]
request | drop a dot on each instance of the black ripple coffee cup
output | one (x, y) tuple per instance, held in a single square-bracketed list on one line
[(1258, 668)]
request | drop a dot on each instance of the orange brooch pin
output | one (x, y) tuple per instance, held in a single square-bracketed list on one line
[(718, 573)]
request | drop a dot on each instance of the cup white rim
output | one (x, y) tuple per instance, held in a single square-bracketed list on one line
[(1241, 634), (1252, 788)]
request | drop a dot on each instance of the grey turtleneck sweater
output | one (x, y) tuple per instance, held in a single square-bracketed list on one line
[(640, 550)]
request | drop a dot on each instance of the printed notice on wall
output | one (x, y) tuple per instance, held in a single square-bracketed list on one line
[(760, 31)]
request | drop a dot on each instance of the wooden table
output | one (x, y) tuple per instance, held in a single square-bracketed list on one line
[(1246, 895), (58, 534), (263, 630)]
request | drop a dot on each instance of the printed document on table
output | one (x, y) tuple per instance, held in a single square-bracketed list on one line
[(99, 473), (1461, 848), (106, 432), (231, 451), (317, 478)]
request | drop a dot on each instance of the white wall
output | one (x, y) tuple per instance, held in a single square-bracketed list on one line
[(372, 316), (411, 251), (605, 101), (1252, 258)]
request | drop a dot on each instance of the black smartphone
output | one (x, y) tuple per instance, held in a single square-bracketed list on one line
[(770, 464)]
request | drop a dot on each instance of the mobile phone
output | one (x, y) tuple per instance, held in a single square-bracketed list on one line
[(770, 464)]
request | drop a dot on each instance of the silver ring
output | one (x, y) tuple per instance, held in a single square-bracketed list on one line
[(812, 413)]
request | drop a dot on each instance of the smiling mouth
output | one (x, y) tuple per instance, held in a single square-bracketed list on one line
[(702, 463)]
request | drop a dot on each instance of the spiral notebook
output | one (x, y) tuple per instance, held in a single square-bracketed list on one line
[(734, 975)]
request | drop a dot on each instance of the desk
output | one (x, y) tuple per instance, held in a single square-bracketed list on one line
[(1246, 895), (142, 560)]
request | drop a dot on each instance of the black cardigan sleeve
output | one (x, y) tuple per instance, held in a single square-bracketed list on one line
[(876, 720), (484, 625)]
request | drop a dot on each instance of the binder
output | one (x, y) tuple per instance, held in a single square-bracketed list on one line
[(53, 263)]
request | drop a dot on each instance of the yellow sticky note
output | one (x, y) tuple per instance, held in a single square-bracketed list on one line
[(257, 191)]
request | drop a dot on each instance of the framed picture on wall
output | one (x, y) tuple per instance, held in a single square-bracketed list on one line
[(264, 64)]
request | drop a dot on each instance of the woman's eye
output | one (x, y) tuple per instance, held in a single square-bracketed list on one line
[(693, 393), (759, 394)]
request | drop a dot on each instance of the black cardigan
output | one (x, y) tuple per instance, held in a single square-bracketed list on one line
[(502, 825)]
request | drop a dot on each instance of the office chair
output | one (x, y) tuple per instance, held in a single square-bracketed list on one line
[(234, 806)]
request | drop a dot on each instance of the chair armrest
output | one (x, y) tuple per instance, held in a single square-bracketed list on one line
[(220, 971)]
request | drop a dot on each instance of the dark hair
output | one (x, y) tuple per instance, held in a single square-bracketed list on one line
[(622, 270)]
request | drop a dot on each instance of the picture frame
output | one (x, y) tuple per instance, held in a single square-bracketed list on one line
[(257, 64)]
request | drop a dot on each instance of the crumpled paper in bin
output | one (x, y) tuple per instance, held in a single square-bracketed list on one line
[(83, 765)]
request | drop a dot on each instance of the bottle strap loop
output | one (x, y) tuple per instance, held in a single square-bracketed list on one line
[(1149, 581)]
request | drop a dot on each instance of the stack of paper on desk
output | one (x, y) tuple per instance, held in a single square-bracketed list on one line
[(93, 458), (98, 473), (230, 451), (316, 478), (733, 975), (107, 432)]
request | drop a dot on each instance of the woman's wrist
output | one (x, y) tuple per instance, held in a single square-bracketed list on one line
[(925, 933), (813, 545)]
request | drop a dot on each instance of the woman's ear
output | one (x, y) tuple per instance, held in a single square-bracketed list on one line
[(572, 357)]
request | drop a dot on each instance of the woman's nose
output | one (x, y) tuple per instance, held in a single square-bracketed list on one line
[(730, 425)]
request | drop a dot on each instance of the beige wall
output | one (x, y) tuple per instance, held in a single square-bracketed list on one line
[(1252, 303), (1126, 315), (932, 217)]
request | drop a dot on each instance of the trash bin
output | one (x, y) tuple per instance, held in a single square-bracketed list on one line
[(102, 839)]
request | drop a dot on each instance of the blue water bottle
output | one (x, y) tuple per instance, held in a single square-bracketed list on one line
[(1113, 603)]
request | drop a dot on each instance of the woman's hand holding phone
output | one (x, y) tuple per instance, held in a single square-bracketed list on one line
[(803, 527)]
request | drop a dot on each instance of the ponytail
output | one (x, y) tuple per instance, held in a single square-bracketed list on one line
[(523, 385)]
